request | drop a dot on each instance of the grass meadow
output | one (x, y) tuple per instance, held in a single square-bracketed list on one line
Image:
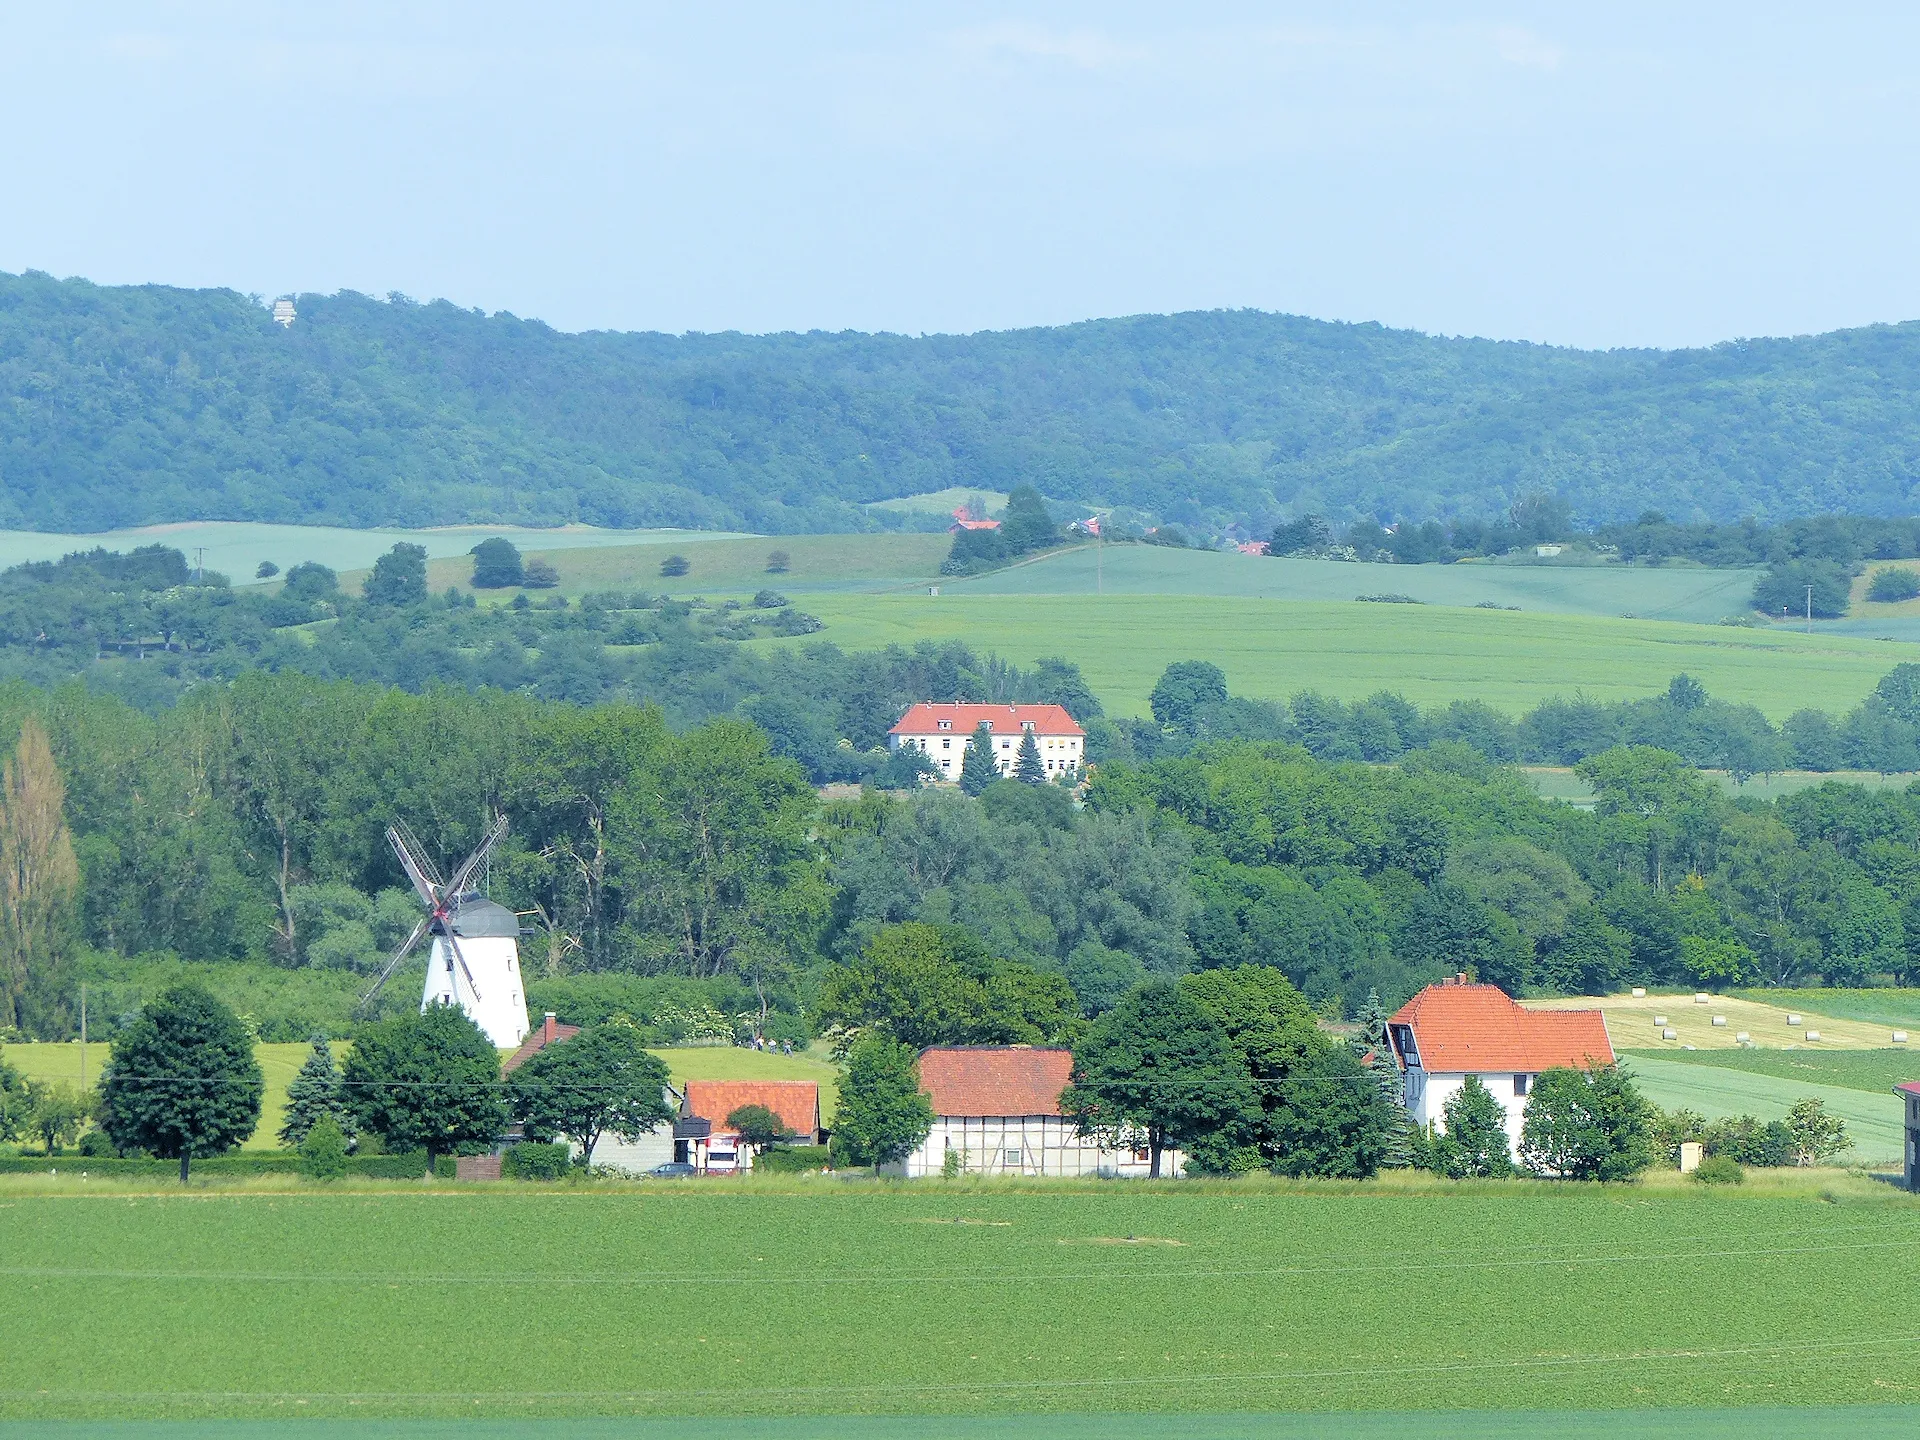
[(1270, 649), (1875, 1072), (827, 1297), (280, 1063), (1715, 1089)]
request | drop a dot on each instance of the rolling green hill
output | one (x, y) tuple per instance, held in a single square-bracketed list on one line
[(144, 404)]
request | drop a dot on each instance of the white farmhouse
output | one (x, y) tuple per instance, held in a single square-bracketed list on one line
[(998, 1108), (1454, 1029), (943, 733)]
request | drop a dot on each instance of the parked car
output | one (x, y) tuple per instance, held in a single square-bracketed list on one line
[(672, 1170)]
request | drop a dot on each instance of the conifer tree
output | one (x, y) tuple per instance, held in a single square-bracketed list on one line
[(1027, 768), (977, 770), (1373, 1045), (314, 1094)]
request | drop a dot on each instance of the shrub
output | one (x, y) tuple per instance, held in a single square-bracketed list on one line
[(791, 1160), (769, 600), (675, 565), (1719, 1170), (534, 1161), (1898, 582), (778, 562), (323, 1154), (537, 574)]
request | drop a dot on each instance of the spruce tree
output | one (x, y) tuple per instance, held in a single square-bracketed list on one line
[(1374, 1047), (314, 1093), (1027, 767), (977, 770)]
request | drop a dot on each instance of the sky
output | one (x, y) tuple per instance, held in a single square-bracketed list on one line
[(1603, 175)]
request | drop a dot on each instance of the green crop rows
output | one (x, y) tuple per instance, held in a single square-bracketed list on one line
[(828, 1299), (1874, 1071)]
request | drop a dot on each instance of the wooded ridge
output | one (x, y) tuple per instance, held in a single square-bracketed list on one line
[(142, 404)]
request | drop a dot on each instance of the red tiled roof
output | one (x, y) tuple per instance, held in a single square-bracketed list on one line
[(974, 525), (925, 717), (1477, 1029), (995, 1079), (796, 1102), (1909, 1087), (547, 1032)]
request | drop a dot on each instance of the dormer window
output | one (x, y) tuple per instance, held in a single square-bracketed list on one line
[(1026, 724), (946, 724)]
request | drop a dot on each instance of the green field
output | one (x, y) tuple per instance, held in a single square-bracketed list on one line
[(1271, 649), (824, 1297), (941, 502), (1875, 1072), (1714, 1087), (1698, 595), (236, 548), (1558, 782)]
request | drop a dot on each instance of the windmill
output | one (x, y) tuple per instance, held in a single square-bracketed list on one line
[(474, 961)]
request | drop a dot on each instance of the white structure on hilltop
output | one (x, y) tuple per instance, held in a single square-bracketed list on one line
[(1455, 1029), (996, 1111), (283, 313), (944, 734), (474, 961)]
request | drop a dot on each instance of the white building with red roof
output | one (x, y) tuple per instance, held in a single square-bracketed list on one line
[(998, 1108), (1455, 1029), (944, 733)]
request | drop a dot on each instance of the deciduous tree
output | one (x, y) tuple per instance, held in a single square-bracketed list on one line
[(182, 1081), (39, 882), (883, 1116), (426, 1082), (1475, 1142), (1585, 1125), (600, 1082)]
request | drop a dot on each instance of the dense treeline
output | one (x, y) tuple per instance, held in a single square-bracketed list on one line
[(1192, 707), (141, 404), (700, 876)]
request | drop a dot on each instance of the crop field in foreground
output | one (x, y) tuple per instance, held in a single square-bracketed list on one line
[(1271, 649), (822, 1297)]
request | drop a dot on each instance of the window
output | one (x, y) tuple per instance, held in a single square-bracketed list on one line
[(1026, 724), (1012, 1159), (946, 724), (1403, 1042), (947, 743), (1519, 1084)]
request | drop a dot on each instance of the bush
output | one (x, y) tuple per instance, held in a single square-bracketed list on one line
[(323, 1154), (769, 600), (1719, 1170), (778, 562), (1898, 582), (791, 1160), (675, 565), (534, 1161)]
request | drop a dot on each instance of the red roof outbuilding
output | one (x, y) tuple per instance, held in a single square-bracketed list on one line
[(548, 1032), (925, 717), (796, 1102), (1458, 1028), (995, 1079)]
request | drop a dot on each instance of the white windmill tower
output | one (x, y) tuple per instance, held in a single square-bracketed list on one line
[(475, 958)]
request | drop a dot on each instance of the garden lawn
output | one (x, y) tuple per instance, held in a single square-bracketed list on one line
[(823, 1297), (1875, 1123), (1272, 649)]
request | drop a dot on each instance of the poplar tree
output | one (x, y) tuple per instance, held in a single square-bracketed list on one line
[(39, 881), (977, 770)]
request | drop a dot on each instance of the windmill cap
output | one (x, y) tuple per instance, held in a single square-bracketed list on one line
[(477, 918)]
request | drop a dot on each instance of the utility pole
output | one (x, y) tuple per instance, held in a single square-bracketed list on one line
[(83, 1035), (1809, 609), (199, 564), (1099, 558)]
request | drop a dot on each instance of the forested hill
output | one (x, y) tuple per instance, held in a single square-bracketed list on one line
[(122, 406)]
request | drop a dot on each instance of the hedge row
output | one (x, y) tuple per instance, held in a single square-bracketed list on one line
[(263, 1162)]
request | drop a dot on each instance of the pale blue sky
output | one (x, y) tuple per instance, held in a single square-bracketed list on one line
[(1613, 174)]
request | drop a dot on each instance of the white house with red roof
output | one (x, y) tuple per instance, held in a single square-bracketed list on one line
[(944, 733), (1455, 1029), (1910, 1093), (998, 1108), (703, 1138)]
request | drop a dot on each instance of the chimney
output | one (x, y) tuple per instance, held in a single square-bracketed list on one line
[(1459, 979), (549, 1028)]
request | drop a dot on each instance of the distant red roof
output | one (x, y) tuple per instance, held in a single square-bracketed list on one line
[(796, 1102), (974, 525), (925, 718), (1477, 1029), (1909, 1087), (995, 1079), (548, 1032)]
